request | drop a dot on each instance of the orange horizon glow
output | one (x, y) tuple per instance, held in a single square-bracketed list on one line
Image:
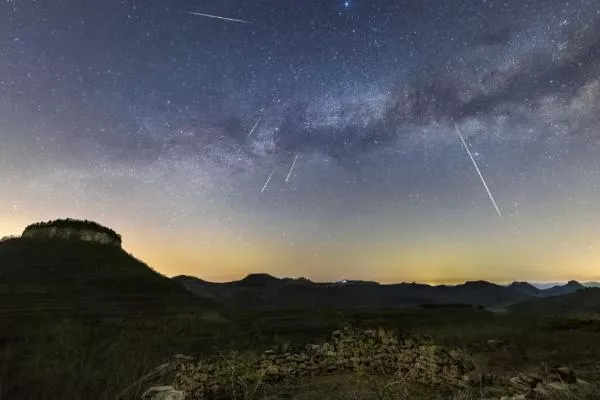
[(435, 262)]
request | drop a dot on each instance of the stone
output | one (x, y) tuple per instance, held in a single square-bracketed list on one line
[(530, 378), (561, 383), (557, 386), (163, 393), (566, 374), (542, 390), (519, 384), (353, 350), (583, 384)]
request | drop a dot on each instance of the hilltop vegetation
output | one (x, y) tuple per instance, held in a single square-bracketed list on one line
[(40, 230)]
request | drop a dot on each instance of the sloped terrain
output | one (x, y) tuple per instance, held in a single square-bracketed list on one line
[(68, 278), (82, 320), (581, 301)]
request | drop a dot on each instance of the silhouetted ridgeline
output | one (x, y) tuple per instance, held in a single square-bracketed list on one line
[(85, 230), (262, 291)]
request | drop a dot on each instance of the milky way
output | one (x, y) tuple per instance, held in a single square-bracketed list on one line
[(178, 130)]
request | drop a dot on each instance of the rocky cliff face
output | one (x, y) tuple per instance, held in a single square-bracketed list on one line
[(73, 230)]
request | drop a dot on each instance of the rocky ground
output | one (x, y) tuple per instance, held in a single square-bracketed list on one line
[(358, 364)]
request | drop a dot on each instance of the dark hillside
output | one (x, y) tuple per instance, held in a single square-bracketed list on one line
[(82, 320), (560, 290), (262, 291), (526, 288), (581, 301), (72, 277)]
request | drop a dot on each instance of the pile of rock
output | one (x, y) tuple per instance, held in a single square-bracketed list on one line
[(163, 393), (349, 350), (559, 380)]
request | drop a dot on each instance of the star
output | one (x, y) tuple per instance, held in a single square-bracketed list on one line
[(193, 121)]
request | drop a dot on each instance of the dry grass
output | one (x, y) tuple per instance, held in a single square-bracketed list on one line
[(245, 381), (73, 360)]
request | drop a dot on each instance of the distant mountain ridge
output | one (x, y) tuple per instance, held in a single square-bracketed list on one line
[(559, 290), (548, 285), (527, 288), (266, 291), (592, 284), (583, 300)]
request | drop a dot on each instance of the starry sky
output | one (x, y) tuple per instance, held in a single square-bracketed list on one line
[(179, 130)]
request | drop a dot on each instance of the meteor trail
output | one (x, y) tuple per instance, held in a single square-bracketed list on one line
[(268, 180), (255, 125), (478, 171), (218, 17), (287, 178)]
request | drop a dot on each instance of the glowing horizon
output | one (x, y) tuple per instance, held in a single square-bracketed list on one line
[(320, 140), (219, 260)]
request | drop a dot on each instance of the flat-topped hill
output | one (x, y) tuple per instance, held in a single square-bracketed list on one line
[(72, 229), (68, 277), (82, 319)]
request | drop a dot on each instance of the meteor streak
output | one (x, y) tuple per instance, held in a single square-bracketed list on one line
[(218, 17), (255, 125), (287, 178), (268, 180), (478, 171)]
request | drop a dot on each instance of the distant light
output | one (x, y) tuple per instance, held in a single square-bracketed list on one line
[(347, 4)]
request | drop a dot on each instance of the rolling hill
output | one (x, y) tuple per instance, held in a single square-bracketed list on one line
[(561, 290), (54, 278), (582, 301), (258, 291), (526, 288)]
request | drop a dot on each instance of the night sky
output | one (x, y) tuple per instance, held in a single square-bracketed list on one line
[(166, 125)]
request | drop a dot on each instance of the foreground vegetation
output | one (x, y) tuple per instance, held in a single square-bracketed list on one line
[(74, 359)]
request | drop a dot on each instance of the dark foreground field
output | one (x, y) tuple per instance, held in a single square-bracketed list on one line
[(72, 359), (86, 321)]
